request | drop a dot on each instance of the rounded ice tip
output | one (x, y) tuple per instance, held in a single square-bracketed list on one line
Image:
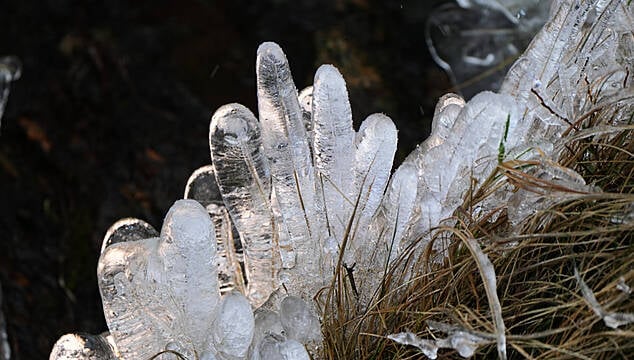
[(185, 221), (328, 72), (232, 123), (270, 49), (379, 124)]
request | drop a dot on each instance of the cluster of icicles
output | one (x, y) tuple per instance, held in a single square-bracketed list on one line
[(294, 196)]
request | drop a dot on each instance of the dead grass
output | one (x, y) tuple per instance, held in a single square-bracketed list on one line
[(545, 315)]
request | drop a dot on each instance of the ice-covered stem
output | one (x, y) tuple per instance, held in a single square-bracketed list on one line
[(333, 144), (242, 174), (375, 148), (487, 273), (611, 319), (285, 144)]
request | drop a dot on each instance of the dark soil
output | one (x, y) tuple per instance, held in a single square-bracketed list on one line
[(112, 113)]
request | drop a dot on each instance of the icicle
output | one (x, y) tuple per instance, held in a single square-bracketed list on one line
[(376, 146), (427, 347), (128, 229), (398, 204), (201, 186), (286, 147), (333, 146), (243, 178)]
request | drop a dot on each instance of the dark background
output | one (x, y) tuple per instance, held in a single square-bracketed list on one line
[(112, 113)]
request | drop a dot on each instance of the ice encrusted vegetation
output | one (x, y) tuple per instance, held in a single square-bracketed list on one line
[(296, 198)]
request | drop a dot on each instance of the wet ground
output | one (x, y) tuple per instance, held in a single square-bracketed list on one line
[(112, 112)]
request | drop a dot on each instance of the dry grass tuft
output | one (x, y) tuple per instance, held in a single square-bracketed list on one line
[(545, 314)]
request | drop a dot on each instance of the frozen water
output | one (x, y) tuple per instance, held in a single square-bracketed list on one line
[(233, 326), (376, 146), (128, 229), (244, 182), (398, 205), (82, 347), (299, 320), (267, 322), (202, 187), (5, 350), (427, 347), (274, 347), (611, 319), (300, 184), (477, 41), (10, 70), (333, 146), (172, 277), (230, 275), (461, 340), (285, 144), (465, 343)]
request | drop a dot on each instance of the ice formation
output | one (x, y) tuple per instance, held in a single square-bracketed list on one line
[(476, 41), (300, 195), (10, 70)]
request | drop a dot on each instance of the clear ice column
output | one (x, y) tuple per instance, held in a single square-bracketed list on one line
[(243, 178)]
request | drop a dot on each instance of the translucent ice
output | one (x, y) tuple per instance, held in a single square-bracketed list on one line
[(461, 340), (333, 141), (267, 322), (233, 327), (376, 146), (82, 347), (230, 275), (128, 229), (611, 319), (171, 277), (202, 187), (285, 144), (10, 70), (427, 347), (476, 41), (398, 205), (299, 320), (5, 350), (243, 178), (300, 184), (274, 347)]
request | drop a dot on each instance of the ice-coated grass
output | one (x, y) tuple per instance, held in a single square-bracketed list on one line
[(546, 315)]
